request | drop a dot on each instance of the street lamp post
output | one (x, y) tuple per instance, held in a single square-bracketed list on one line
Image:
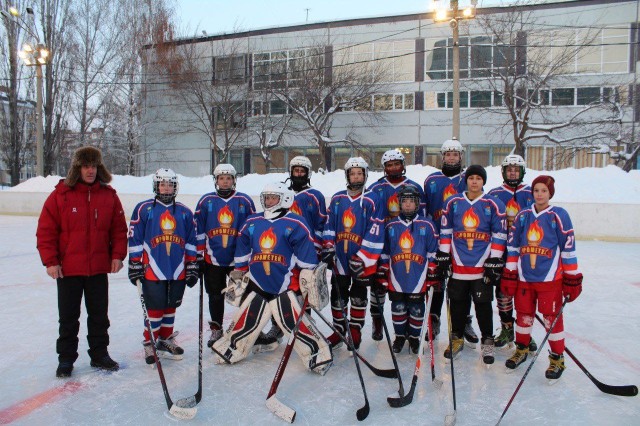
[(454, 15), (36, 55)]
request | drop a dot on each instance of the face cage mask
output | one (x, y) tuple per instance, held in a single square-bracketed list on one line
[(410, 215), (165, 198), (512, 182)]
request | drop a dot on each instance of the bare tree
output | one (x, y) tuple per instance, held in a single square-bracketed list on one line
[(210, 80), (315, 85), (527, 64), (13, 125)]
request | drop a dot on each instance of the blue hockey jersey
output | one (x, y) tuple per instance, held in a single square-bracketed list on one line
[(513, 203), (272, 249), (542, 245), (347, 222), (472, 231), (163, 237), (437, 189), (219, 220), (387, 194), (309, 203), (409, 251)]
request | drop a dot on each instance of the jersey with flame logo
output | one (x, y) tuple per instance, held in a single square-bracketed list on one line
[(409, 251), (437, 189), (541, 246), (163, 238), (309, 203), (273, 251), (387, 194), (348, 221), (219, 220), (522, 199), (472, 231)]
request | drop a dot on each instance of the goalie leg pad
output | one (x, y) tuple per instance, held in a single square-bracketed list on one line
[(310, 345), (249, 320)]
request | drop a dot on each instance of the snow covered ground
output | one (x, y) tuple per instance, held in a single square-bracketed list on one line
[(602, 331)]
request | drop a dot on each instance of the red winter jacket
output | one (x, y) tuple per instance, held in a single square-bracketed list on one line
[(82, 228)]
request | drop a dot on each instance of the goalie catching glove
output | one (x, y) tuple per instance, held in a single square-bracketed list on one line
[(236, 286), (313, 285)]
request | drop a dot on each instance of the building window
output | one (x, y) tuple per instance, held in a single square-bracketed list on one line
[(562, 97), (287, 68), (395, 59), (230, 69)]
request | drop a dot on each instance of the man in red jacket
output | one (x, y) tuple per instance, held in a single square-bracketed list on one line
[(82, 236)]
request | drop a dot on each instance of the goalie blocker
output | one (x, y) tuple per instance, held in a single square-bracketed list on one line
[(258, 307)]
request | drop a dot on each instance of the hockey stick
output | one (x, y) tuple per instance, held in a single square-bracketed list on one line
[(386, 332), (363, 411), (622, 390), (180, 412), (408, 398), (437, 383), (450, 419), (535, 356), (192, 401), (278, 408), (386, 373)]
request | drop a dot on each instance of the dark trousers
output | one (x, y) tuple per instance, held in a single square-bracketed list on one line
[(461, 293), (96, 299), (215, 280)]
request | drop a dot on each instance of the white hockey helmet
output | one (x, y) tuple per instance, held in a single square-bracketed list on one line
[(451, 145), (224, 169), (354, 163), (513, 160), (301, 161), (392, 154), (286, 198), (165, 175)]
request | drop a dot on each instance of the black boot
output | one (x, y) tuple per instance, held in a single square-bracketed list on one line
[(64, 369), (398, 344), (105, 363)]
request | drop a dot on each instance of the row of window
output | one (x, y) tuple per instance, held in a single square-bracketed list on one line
[(480, 57)]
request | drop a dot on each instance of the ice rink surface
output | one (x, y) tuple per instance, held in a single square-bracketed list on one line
[(601, 330)]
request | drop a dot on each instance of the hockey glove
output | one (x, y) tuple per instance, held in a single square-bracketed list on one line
[(509, 283), (571, 286), (493, 267), (356, 265), (192, 273), (201, 265), (382, 276), (443, 260), (327, 255), (433, 277), (136, 272)]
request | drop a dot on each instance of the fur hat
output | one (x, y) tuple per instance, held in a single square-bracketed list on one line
[(87, 155), (548, 181), (477, 171)]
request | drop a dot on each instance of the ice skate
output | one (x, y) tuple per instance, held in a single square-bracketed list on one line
[(265, 343), (518, 357), (470, 336), (458, 346), (167, 348), (505, 340), (555, 369), (487, 351)]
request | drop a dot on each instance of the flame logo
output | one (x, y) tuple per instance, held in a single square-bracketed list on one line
[(348, 219), (268, 240), (448, 192), (393, 206), (470, 220), (512, 208), (167, 222), (225, 216), (535, 233), (295, 208), (406, 241)]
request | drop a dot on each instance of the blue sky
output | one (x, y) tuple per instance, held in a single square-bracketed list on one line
[(217, 16)]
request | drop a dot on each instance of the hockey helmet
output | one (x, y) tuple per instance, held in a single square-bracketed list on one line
[(451, 145), (165, 175), (392, 155), (354, 163), (409, 192), (286, 197), (299, 182), (224, 169), (513, 160)]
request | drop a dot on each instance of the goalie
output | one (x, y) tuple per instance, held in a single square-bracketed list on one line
[(272, 249)]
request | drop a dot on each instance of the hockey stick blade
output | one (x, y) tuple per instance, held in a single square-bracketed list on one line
[(450, 419), (281, 410), (184, 412), (363, 412), (401, 401)]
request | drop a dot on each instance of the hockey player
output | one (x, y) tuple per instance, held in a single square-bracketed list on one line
[(516, 196), (438, 187), (351, 214), (386, 189), (308, 203), (219, 216), (541, 269), (472, 234), (408, 258), (163, 256), (270, 247)]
